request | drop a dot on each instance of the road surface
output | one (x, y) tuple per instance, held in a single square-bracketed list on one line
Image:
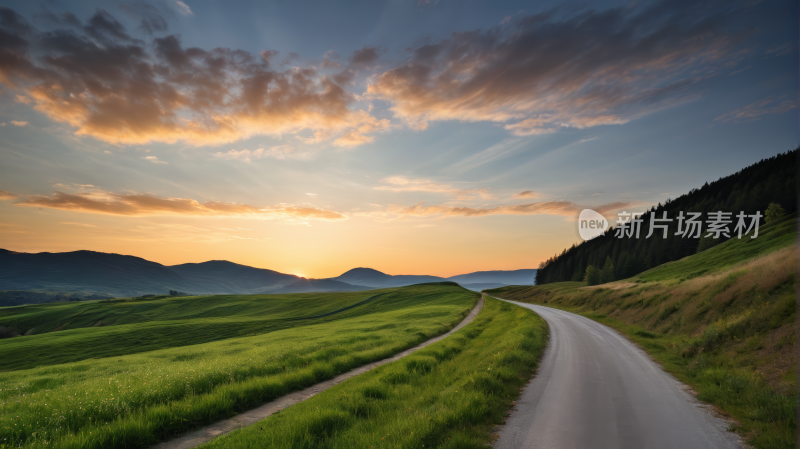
[(595, 389)]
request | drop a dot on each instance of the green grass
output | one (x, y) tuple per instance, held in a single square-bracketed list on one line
[(448, 395), (135, 400), (64, 332), (722, 321)]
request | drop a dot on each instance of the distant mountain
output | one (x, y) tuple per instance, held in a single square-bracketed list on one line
[(320, 285), (483, 286), (86, 271), (512, 277), (374, 278), (221, 276), (118, 275), (377, 279)]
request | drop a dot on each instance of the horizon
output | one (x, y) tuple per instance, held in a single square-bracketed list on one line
[(432, 138), (266, 268)]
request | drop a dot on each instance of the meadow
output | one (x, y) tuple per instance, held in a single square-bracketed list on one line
[(138, 398), (450, 394), (722, 321), (73, 331)]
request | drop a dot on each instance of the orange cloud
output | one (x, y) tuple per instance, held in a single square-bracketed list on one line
[(560, 208), (550, 71), (144, 204), (118, 89), (527, 194), (5, 195), (279, 152)]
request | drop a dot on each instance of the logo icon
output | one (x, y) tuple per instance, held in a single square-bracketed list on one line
[(591, 224)]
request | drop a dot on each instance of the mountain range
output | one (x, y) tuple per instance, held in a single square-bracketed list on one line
[(96, 273)]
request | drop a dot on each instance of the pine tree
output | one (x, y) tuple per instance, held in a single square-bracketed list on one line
[(607, 273), (592, 275)]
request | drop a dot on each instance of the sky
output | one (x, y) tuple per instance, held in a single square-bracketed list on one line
[(413, 137)]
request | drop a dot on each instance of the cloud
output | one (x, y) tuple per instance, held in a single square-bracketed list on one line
[(560, 208), (183, 8), (527, 194), (403, 184), (154, 160), (562, 68), (5, 195), (86, 225), (359, 134), (280, 152), (22, 99), (366, 55), (150, 16), (752, 111), (19, 123), (139, 204), (118, 89), (496, 152)]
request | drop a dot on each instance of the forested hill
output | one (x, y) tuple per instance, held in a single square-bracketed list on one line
[(749, 190)]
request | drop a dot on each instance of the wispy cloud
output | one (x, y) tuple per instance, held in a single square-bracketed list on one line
[(559, 208), (154, 160), (545, 72), (140, 204), (278, 152), (183, 8), (496, 152), (5, 195), (527, 194), (19, 123), (753, 111), (22, 99), (403, 184), (85, 225)]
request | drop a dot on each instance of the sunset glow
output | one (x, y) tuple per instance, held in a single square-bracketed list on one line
[(436, 138)]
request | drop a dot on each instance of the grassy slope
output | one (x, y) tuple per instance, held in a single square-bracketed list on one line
[(74, 331), (448, 395), (721, 321), (133, 400)]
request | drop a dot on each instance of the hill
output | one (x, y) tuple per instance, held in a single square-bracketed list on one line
[(481, 286), (163, 367), (86, 271), (224, 277), (750, 190), (78, 275), (376, 279), (511, 277), (319, 285)]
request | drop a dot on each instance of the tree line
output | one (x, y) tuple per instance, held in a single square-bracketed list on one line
[(767, 187)]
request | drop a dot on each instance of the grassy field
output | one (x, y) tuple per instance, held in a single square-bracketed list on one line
[(133, 400), (448, 395), (722, 321), (73, 331)]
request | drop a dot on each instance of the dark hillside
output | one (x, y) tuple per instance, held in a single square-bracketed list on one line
[(750, 190)]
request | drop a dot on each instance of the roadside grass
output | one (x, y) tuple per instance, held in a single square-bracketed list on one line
[(70, 332), (448, 395), (135, 400), (722, 321)]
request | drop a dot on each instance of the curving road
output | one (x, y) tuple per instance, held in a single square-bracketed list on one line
[(595, 389)]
